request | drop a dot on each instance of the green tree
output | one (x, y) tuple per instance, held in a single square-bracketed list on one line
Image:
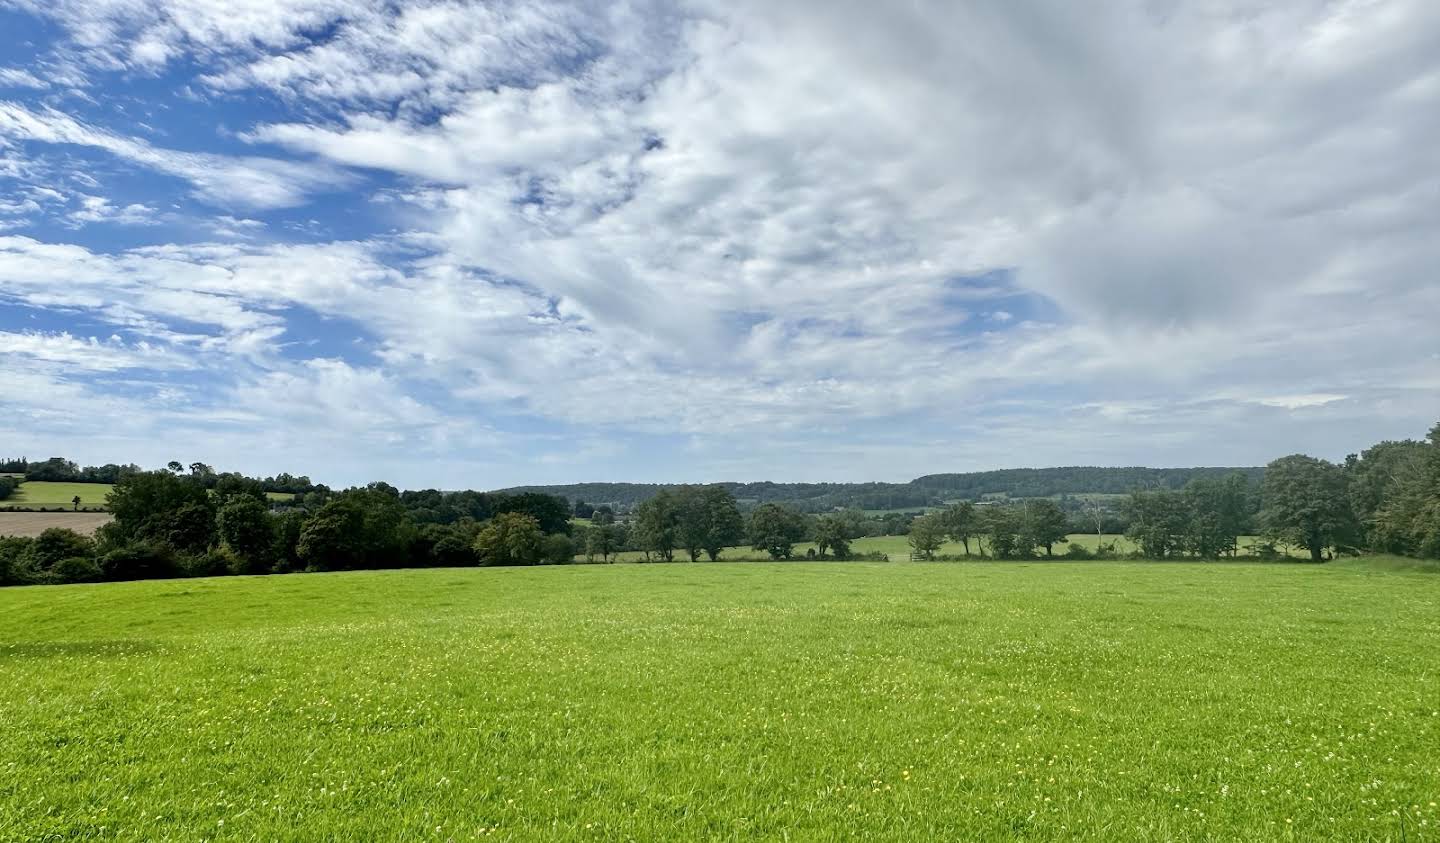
[(510, 538), (245, 527), (55, 544), (1044, 525), (1378, 479), (1159, 521), (775, 529), (361, 528), (656, 528), (832, 534), (927, 534), (558, 549), (961, 523), (1001, 524), (707, 519), (1307, 503), (1216, 510), (75, 503), (158, 506)]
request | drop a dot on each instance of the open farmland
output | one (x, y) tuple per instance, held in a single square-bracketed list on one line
[(34, 523), (42, 494), (1099, 701)]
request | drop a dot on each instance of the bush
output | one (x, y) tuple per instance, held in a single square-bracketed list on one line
[(1078, 551), (15, 560), (76, 569), (55, 544), (216, 562), (558, 549), (140, 561)]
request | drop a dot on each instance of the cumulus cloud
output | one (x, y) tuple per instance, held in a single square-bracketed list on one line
[(1143, 222)]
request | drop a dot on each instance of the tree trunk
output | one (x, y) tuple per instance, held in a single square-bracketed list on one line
[(966, 541), (1315, 553)]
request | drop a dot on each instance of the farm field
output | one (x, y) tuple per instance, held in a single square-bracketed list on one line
[(38, 494), (1102, 701), (34, 523), (51, 495)]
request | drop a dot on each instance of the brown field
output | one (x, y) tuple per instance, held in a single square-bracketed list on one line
[(32, 523)]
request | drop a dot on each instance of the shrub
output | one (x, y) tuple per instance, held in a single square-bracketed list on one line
[(558, 549), (140, 561), (1078, 551), (76, 569), (215, 562), (55, 544)]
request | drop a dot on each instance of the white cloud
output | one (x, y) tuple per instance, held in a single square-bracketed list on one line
[(1153, 223), (250, 181)]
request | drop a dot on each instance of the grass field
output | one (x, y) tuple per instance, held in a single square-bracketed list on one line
[(1102, 701), (41, 493), (37, 494)]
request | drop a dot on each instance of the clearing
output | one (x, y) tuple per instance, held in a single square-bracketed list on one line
[(1104, 701)]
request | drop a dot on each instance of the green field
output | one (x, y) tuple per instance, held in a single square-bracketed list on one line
[(38, 494), (44, 494), (1102, 701)]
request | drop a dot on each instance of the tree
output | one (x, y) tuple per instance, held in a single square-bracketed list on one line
[(1378, 480), (1001, 527), (927, 534), (75, 503), (157, 506), (707, 519), (1044, 525), (656, 525), (1307, 503), (1158, 522), (55, 544), (832, 533), (961, 523), (510, 538), (244, 525), (361, 528), (1216, 511), (175, 466), (775, 529), (558, 549), (551, 512)]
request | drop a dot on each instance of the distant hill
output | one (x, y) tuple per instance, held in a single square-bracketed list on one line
[(922, 491)]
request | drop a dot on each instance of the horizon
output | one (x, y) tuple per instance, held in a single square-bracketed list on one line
[(519, 244)]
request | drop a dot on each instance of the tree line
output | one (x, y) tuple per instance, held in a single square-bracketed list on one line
[(180, 522), (61, 470)]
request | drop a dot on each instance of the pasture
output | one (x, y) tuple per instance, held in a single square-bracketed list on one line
[(43, 494), (1101, 701)]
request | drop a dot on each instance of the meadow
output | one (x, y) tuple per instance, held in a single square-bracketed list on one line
[(799, 701), (46, 494), (38, 494)]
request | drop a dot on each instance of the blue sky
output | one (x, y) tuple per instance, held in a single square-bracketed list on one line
[(470, 244)]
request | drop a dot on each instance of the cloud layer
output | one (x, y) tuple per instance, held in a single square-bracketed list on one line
[(705, 241)]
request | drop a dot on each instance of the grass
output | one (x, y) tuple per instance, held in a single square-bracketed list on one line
[(44, 494), (37, 494), (1101, 701)]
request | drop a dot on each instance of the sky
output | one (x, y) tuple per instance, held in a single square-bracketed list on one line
[(473, 245)]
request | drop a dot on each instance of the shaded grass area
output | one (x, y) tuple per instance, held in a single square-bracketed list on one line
[(1099, 701)]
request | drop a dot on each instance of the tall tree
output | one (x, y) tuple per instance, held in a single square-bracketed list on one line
[(1044, 525), (656, 526), (1307, 503), (775, 529), (244, 526), (961, 523), (927, 534), (832, 533), (510, 538)]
